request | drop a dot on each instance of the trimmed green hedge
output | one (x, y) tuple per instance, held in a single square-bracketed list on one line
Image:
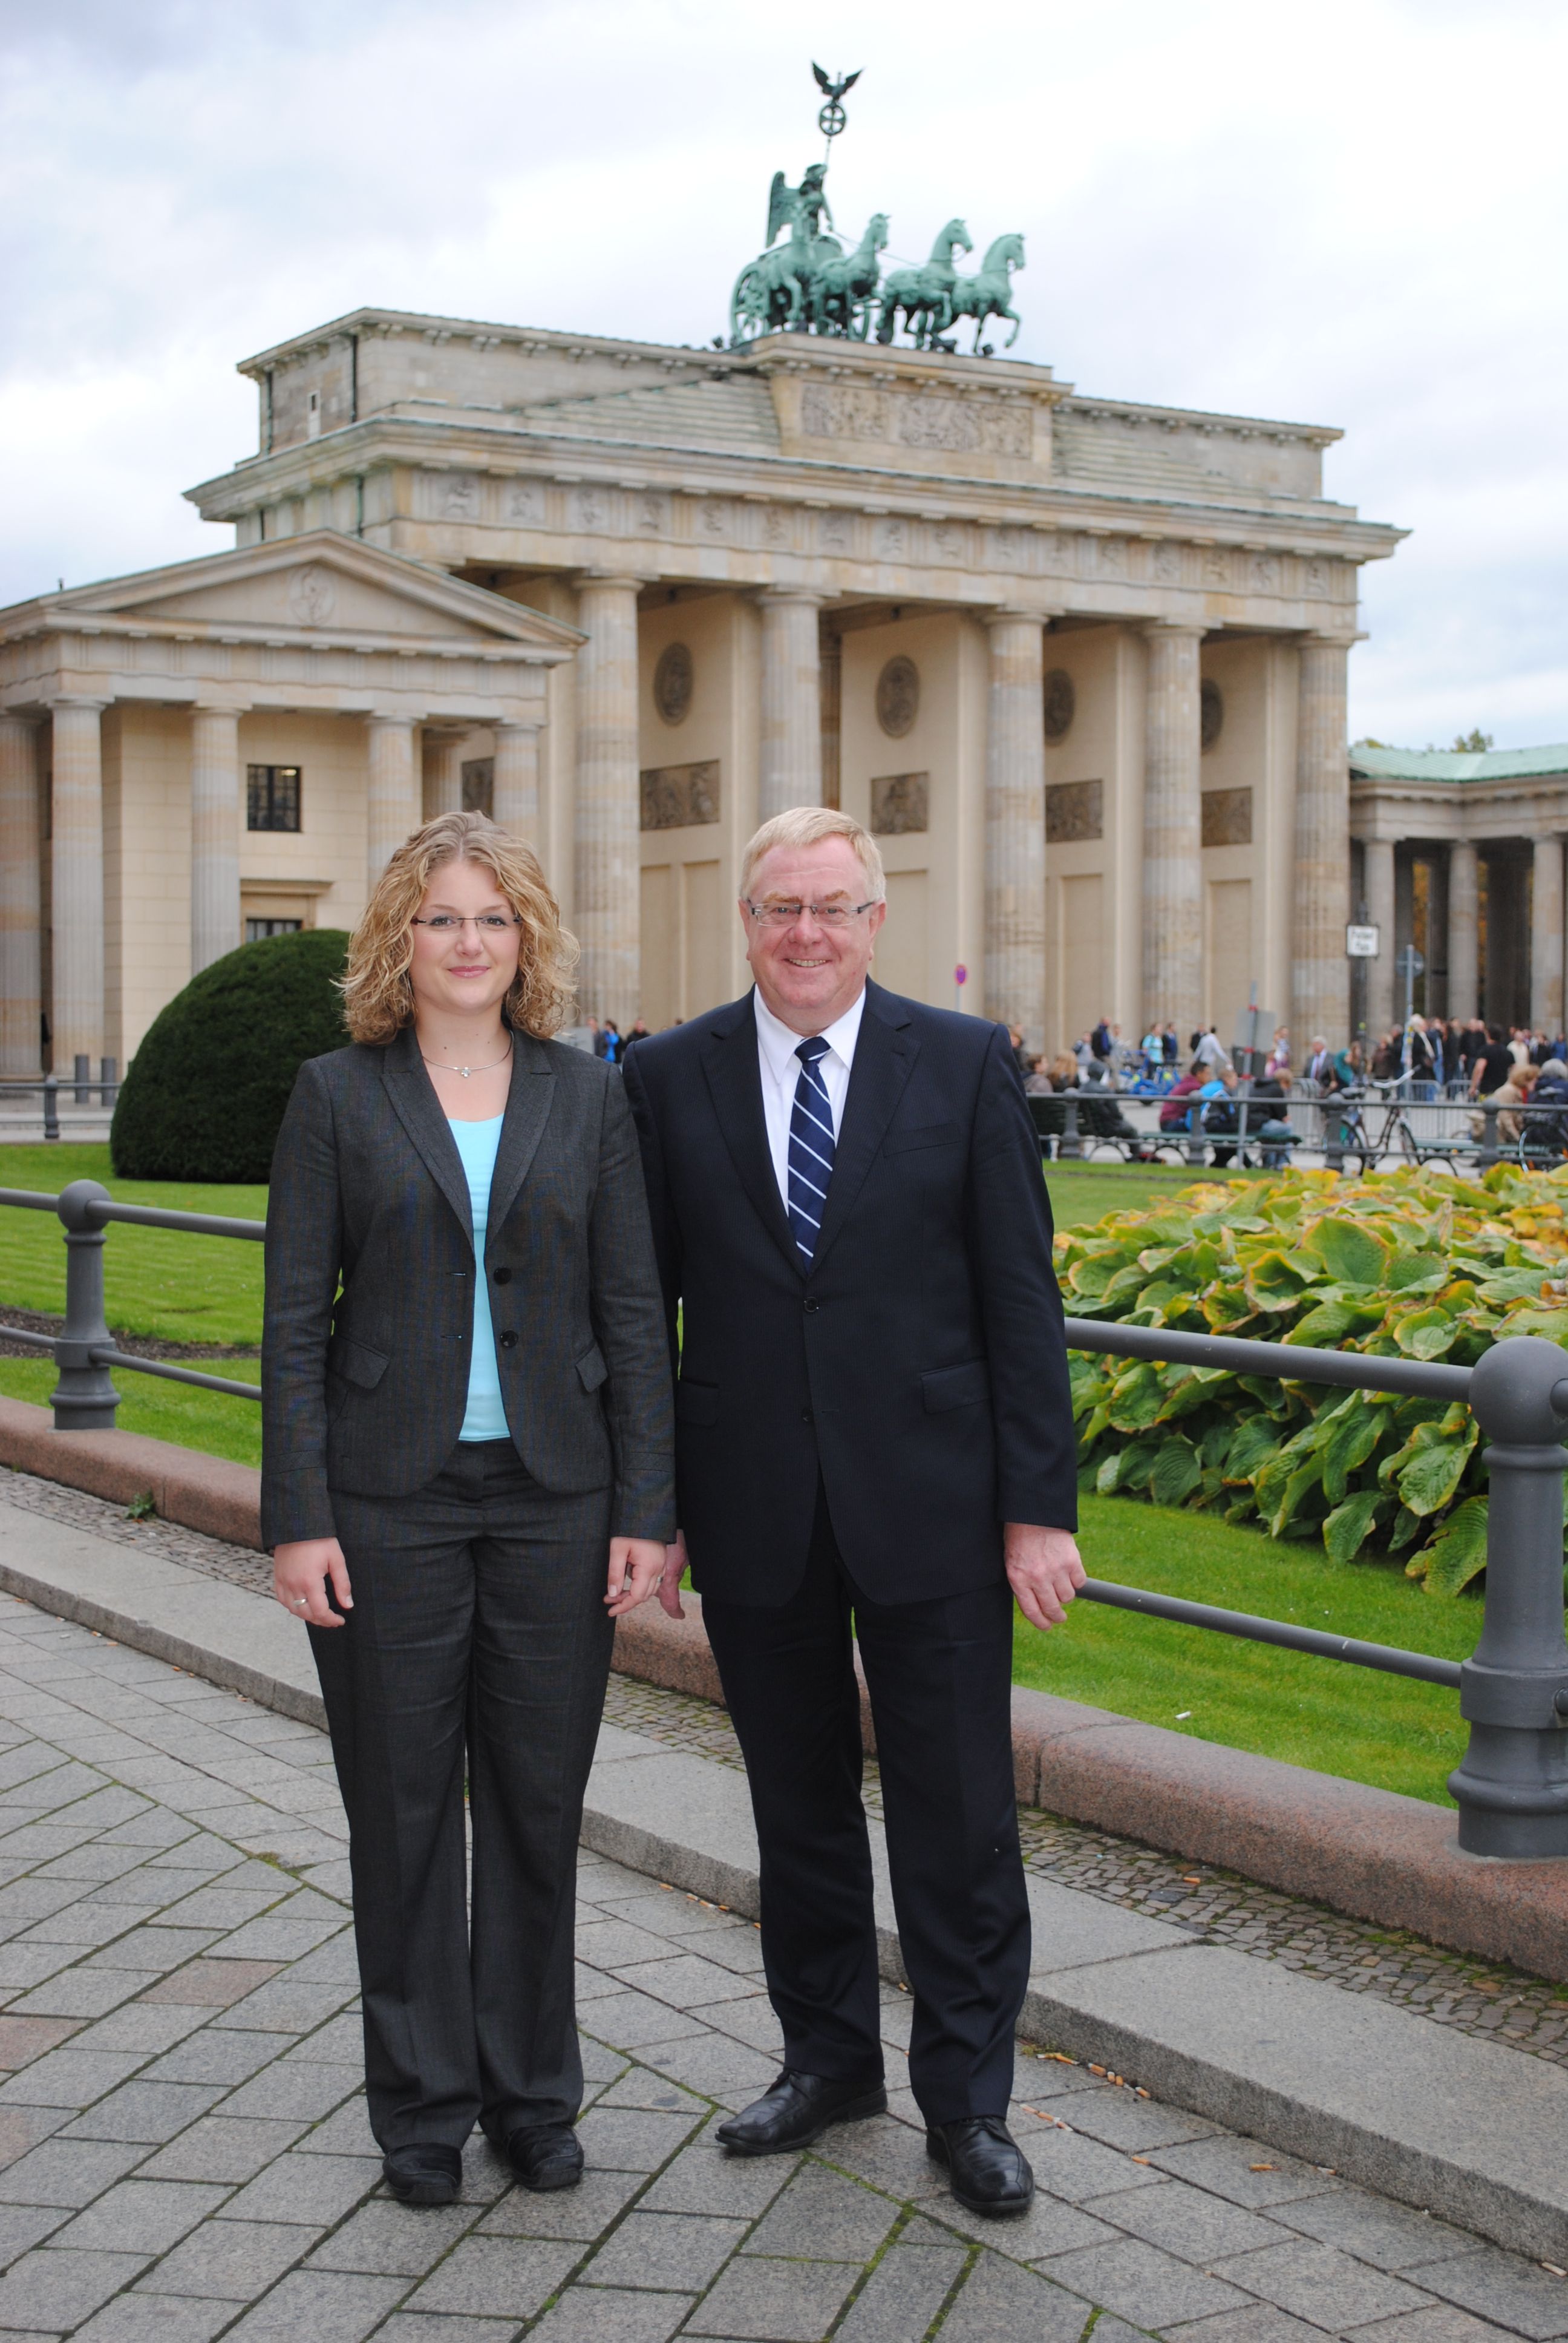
[(1411, 1263), (206, 1092)]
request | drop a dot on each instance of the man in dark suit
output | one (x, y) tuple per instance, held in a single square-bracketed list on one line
[(872, 1423)]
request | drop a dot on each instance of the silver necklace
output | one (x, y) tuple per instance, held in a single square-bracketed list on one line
[(466, 1071)]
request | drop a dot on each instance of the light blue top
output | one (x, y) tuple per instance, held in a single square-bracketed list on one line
[(484, 1417)]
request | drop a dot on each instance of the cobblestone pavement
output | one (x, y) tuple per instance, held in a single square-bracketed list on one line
[(184, 2153), (1475, 1995)]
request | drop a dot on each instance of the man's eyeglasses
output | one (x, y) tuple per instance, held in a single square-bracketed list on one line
[(826, 915), (445, 923)]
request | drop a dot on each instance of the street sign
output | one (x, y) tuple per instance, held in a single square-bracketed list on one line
[(961, 974), (1409, 962), (1361, 943)]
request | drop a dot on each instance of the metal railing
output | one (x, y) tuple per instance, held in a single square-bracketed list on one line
[(1512, 1788), (78, 1086)]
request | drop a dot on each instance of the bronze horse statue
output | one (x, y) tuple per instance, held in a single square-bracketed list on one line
[(924, 294), (989, 292)]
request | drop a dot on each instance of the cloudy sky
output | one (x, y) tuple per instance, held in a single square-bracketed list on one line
[(1354, 214)]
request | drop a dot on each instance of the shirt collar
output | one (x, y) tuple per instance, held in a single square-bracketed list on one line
[(780, 1041)]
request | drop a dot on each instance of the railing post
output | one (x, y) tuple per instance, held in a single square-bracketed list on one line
[(1071, 1144), (1488, 1155), (1511, 1788), (1333, 1134), (108, 1081), (84, 1398), (84, 1078), (51, 1107)]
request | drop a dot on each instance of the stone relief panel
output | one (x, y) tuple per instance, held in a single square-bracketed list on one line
[(947, 540), (460, 497), (833, 410), (893, 539), (1214, 567), (898, 696), (673, 680), (1264, 576), (312, 596), (1074, 812), (716, 519), (679, 797), (1227, 816), (590, 509), (1168, 565), (1061, 703), (1112, 556), (915, 420), (651, 515), (835, 532), (1315, 578), (900, 804), (776, 529), (1011, 549), (1211, 715), (524, 502)]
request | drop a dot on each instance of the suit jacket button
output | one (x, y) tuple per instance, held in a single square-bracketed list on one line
[(503, 1276), (810, 1305), (806, 1415), (508, 1341)]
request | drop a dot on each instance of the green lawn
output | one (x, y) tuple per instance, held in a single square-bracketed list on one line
[(1081, 1194), (217, 1425)]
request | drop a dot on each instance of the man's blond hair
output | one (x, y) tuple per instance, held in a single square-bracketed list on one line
[(809, 826)]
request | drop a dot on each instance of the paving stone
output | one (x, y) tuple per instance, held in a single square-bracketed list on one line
[(686, 1981), (1244, 2171), (583, 2212), (1392, 2236), (210, 1984), (889, 2155), (21, 2128), (68, 2172), (140, 2216), (215, 2148), (750, 2018), (631, 2139), (703, 2179), (594, 2314), (321, 2304), (157, 2319), (612, 1944), (385, 2239), (641, 2087), (316, 2189), (23, 2039), (140, 2027), (823, 2217), (51, 2288), (150, 2112), (1329, 2289), (498, 2277), (633, 2020), (1143, 2284), (1261, 2323), (70, 2078), (1501, 2287), (1049, 2227), (1121, 2119), (1000, 2303), (714, 2063), (787, 2302), (288, 2006), (231, 2261), (1067, 2164), (1190, 2222), (345, 2132), (902, 2295), (675, 2251), (340, 2043), (24, 2225), (1440, 2322), (285, 2089), (214, 2056), (417, 2327)]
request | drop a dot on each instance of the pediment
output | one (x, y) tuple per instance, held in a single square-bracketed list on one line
[(322, 586)]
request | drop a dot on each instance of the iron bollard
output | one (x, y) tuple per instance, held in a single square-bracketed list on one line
[(1488, 1155), (108, 1080), (1512, 1786), (84, 1078), (84, 1398), (1333, 1137), (1071, 1144), (51, 1107)]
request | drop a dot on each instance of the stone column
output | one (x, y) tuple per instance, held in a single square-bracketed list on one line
[(1015, 826), (1381, 983), (1546, 938), (1320, 973), (392, 792), (831, 646), (609, 816), (443, 776), (215, 835), (76, 888), (1172, 835), (790, 772), (1464, 925), (20, 981), (517, 798)]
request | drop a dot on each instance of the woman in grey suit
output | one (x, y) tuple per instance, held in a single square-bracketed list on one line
[(467, 1477)]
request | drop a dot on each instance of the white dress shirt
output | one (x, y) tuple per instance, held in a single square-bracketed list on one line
[(781, 1070)]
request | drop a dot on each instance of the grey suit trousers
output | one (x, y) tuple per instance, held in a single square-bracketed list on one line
[(478, 1643)]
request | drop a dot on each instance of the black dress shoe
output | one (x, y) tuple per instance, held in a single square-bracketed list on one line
[(427, 2173), (797, 2110), (989, 2171), (546, 2156)]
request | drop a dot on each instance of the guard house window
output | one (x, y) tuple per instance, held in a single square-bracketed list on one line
[(257, 930), (272, 797)]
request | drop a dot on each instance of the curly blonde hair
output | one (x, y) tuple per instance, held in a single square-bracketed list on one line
[(377, 997)]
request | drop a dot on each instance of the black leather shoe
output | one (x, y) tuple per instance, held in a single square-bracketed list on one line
[(546, 2156), (427, 2173), (797, 2110), (989, 2171)]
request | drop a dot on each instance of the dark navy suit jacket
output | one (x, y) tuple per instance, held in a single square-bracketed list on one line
[(919, 1365)]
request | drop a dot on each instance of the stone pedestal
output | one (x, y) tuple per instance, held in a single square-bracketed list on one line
[(20, 995), (1463, 918), (1320, 973), (605, 876), (516, 793), (392, 797), (1015, 826), (1172, 835), (215, 835), (1546, 938), (790, 770), (76, 890)]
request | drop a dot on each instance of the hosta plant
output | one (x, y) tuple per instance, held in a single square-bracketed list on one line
[(1412, 1264)]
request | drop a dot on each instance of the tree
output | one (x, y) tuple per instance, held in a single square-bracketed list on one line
[(1472, 743)]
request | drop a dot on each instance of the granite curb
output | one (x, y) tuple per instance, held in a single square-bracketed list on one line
[(1369, 1853)]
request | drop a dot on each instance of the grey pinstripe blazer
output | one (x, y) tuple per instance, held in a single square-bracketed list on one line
[(370, 1296)]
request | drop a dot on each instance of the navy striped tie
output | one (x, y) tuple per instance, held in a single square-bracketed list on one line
[(811, 1148)]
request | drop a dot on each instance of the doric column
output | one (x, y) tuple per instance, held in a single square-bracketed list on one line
[(442, 777), (790, 772), (20, 993), (1320, 973), (392, 791), (1546, 938), (1463, 927), (1015, 826), (831, 647), (76, 888), (215, 835), (605, 913), (517, 796), (1172, 835)]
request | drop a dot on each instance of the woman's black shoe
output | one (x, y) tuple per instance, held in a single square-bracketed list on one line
[(546, 2156), (427, 2172), (987, 2170)]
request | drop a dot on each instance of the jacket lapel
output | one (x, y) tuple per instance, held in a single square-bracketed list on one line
[(735, 1085), (529, 1103), (419, 1112), (885, 1053)]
